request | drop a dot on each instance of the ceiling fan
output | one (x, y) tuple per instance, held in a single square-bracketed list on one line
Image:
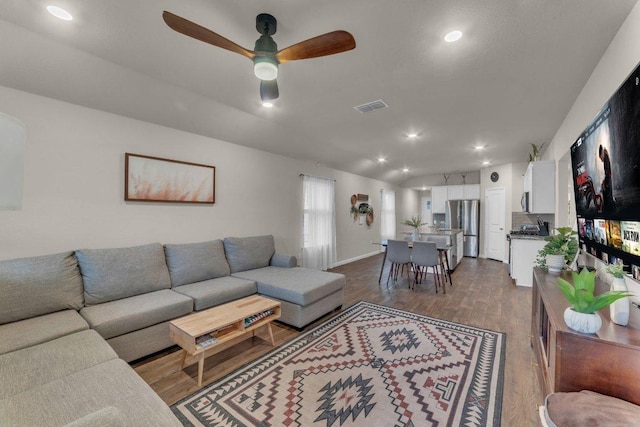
[(266, 57)]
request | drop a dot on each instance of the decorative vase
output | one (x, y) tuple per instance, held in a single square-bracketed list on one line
[(619, 310), (555, 263), (587, 323), (415, 235)]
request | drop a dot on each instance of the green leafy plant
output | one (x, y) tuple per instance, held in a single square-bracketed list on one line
[(415, 221), (580, 294), (563, 243), (535, 152), (616, 270)]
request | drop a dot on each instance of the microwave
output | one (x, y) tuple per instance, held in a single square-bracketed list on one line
[(524, 202)]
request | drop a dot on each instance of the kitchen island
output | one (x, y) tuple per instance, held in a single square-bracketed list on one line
[(452, 238)]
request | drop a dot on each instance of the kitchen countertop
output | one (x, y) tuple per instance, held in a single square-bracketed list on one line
[(526, 237), (436, 232)]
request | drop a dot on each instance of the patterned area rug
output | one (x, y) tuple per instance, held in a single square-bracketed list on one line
[(369, 365)]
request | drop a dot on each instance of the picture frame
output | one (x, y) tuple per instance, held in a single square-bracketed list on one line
[(154, 179)]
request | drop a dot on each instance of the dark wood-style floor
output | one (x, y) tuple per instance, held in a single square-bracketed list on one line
[(482, 295)]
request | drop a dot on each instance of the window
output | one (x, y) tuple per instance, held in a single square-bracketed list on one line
[(388, 215), (319, 223)]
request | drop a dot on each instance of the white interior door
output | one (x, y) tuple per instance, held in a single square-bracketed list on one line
[(495, 242)]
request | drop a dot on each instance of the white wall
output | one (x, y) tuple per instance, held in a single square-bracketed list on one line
[(74, 187), (621, 57)]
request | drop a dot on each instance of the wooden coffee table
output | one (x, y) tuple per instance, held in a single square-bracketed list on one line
[(226, 324)]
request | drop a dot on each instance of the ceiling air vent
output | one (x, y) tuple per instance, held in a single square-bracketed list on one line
[(371, 106)]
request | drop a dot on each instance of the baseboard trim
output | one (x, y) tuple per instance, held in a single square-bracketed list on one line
[(358, 258)]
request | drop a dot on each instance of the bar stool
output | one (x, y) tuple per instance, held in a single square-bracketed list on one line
[(399, 254), (423, 256)]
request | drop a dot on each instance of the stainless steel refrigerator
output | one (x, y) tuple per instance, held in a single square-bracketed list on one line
[(465, 215)]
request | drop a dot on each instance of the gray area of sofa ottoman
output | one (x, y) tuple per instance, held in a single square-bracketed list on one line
[(39, 329), (119, 317), (218, 291), (49, 361), (67, 399), (300, 286), (39, 285)]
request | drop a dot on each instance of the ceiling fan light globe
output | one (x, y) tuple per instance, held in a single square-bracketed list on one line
[(265, 70)]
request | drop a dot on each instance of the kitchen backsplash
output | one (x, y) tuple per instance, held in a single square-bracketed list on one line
[(522, 218)]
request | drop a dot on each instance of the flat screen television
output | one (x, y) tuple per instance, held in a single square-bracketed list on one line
[(605, 160)]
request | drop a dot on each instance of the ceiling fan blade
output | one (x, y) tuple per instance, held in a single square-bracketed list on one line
[(269, 90), (326, 44), (201, 33)]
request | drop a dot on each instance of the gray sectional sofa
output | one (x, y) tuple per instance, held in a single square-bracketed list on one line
[(69, 322)]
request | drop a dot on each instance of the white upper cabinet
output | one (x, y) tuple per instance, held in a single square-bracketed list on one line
[(438, 199), (455, 192), (472, 191), (540, 183)]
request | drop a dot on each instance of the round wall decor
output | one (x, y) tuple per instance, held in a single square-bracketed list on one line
[(495, 177)]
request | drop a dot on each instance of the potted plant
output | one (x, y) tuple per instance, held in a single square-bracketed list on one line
[(581, 316), (619, 310), (561, 249), (415, 222), (534, 155)]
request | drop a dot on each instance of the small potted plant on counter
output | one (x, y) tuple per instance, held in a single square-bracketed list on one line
[(561, 249), (582, 316), (415, 222)]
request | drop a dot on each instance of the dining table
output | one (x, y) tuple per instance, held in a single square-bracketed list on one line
[(442, 256)]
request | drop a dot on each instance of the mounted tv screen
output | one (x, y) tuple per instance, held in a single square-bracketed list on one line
[(605, 161)]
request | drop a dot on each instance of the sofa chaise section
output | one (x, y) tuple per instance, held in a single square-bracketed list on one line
[(127, 295), (305, 294)]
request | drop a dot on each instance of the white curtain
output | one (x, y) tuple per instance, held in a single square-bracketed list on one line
[(388, 215), (319, 223)]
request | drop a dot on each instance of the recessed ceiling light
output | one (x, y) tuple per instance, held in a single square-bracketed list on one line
[(453, 36), (381, 160), (405, 170), (424, 188), (485, 163), (412, 135), (267, 104), (60, 13), (478, 147)]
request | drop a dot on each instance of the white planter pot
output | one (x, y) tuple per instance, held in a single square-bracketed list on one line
[(619, 310), (555, 263), (587, 323), (415, 236)]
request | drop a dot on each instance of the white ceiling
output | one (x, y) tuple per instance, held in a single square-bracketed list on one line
[(507, 83)]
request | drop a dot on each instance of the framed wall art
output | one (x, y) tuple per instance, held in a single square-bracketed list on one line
[(153, 179)]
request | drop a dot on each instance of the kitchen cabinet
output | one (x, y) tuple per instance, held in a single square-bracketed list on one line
[(440, 194), (540, 184), (439, 199), (455, 192), (523, 253), (607, 362), (471, 191)]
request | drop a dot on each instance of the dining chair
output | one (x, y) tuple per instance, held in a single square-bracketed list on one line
[(399, 254), (423, 256)]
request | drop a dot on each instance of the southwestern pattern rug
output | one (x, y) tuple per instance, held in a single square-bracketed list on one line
[(369, 365)]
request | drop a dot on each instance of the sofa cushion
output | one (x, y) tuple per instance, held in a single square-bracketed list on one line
[(112, 383), (588, 408), (297, 285), (247, 253), (111, 274), (39, 285), (214, 292), (32, 366), (36, 330), (130, 314), (195, 262)]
